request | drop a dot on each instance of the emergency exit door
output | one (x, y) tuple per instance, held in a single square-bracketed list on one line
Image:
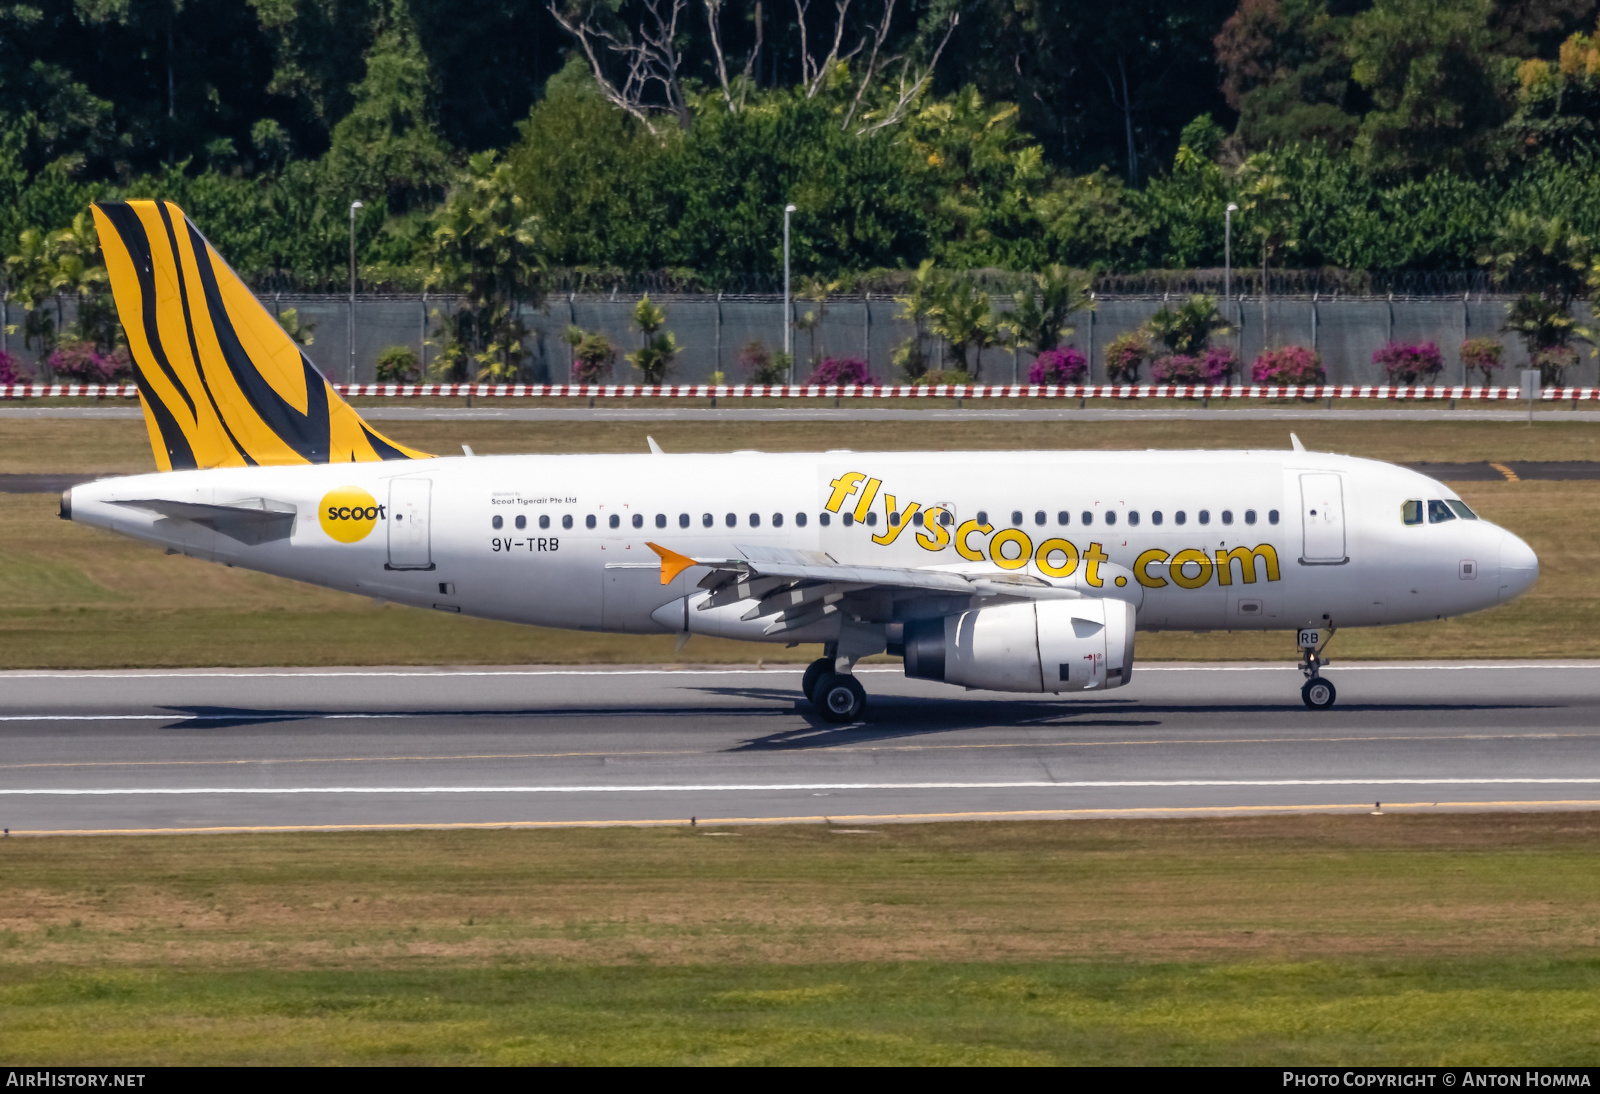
[(410, 543), (1322, 519)]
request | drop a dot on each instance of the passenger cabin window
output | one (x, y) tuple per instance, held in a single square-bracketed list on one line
[(1039, 518), (825, 518), (1111, 516), (800, 520), (983, 517), (849, 519), (1227, 516), (615, 521), (777, 520), (522, 522), (683, 520), (1133, 517), (1459, 508), (544, 520), (1063, 517), (872, 520), (1439, 512), (946, 519), (707, 520), (1087, 517), (1272, 516), (1249, 516), (566, 521), (755, 520), (731, 520), (1155, 517), (661, 520), (1016, 518), (638, 520), (498, 522), (1180, 517), (1205, 516), (894, 520), (917, 519), (589, 521)]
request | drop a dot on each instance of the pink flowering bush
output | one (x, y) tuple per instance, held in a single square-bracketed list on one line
[(1288, 365), (843, 371), (1483, 354), (1058, 366), (1215, 366), (81, 363), (1124, 356), (1409, 364), (13, 371)]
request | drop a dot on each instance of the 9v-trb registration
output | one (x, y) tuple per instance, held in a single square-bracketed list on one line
[(1469, 1078)]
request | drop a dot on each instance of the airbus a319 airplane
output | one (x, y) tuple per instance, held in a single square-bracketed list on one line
[(1006, 571)]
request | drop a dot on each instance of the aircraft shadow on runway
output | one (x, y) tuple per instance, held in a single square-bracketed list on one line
[(218, 717), (887, 716), (898, 716)]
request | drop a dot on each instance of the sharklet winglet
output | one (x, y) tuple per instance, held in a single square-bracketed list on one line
[(672, 563)]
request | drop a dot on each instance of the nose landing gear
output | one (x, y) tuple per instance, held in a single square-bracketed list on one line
[(1317, 693)]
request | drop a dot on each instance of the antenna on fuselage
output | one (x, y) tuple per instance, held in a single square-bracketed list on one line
[(655, 449), (1298, 447)]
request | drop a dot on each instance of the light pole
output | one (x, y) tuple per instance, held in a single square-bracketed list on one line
[(787, 326), (354, 205), (1227, 253)]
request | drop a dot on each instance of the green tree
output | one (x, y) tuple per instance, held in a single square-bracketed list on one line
[(1189, 327), (963, 316), (1038, 318), (1439, 100), (1266, 214), (387, 145), (655, 357), (485, 246), (1552, 263)]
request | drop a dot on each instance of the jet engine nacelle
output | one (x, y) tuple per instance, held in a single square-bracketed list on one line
[(1044, 645)]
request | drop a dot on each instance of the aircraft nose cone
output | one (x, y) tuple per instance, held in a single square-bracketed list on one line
[(1519, 567)]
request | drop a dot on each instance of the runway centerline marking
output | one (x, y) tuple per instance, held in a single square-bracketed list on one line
[(692, 788), (830, 751)]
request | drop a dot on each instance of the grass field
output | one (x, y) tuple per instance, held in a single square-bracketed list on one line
[(74, 597), (1426, 939)]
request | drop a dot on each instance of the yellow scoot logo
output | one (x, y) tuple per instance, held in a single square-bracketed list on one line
[(349, 514)]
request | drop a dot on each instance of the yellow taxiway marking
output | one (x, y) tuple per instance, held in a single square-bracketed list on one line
[(829, 818), (1511, 476), (1134, 743)]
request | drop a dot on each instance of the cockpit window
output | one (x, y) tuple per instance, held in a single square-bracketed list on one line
[(1411, 512), (1459, 508), (1439, 512)]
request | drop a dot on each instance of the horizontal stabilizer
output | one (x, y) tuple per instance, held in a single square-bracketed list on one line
[(251, 521)]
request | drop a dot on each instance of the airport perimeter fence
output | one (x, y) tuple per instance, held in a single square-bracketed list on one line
[(712, 329), (959, 392)]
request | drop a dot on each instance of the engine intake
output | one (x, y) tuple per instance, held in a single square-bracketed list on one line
[(1047, 645)]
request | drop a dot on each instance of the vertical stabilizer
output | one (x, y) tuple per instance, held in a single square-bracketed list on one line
[(221, 383)]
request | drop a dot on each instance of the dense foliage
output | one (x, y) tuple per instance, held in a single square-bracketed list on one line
[(1014, 134)]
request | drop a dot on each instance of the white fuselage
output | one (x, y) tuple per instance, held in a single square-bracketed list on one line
[(1196, 540)]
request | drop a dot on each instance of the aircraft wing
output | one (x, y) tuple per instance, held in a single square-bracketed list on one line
[(800, 587)]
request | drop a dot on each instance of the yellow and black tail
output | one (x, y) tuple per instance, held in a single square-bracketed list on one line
[(221, 383)]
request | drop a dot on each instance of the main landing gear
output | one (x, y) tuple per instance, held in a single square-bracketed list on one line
[(1317, 693), (838, 696)]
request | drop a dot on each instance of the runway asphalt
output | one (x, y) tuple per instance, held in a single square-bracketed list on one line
[(304, 749)]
